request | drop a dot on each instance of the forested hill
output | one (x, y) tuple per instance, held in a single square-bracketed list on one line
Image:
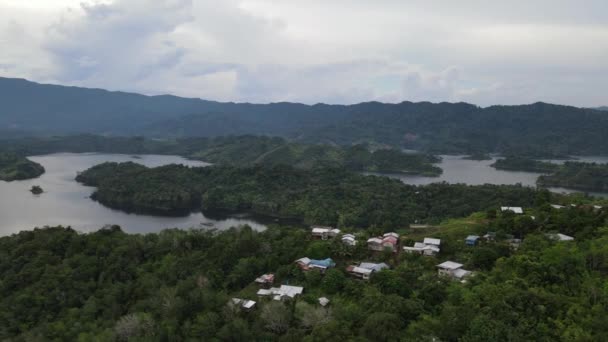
[(237, 151), (536, 129)]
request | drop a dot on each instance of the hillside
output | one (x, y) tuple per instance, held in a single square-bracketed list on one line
[(538, 129), (237, 151)]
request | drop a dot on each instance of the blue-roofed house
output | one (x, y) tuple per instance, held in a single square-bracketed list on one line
[(471, 240), (307, 264)]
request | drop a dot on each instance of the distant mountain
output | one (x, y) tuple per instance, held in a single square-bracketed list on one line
[(534, 130), (602, 108)]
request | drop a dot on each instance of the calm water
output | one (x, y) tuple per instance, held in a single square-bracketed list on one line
[(66, 202), (474, 172)]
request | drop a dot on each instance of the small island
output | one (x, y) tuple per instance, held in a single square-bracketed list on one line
[(36, 190), (14, 167)]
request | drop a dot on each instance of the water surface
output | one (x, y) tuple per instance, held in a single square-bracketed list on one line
[(66, 202)]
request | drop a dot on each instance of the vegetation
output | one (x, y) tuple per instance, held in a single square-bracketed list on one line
[(534, 130), (176, 285), (524, 164), (14, 167), (36, 190), (239, 151), (320, 196), (576, 175)]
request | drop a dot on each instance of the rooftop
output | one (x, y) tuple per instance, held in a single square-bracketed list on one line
[(450, 265)]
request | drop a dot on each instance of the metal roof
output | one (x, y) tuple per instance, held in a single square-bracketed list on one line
[(450, 265)]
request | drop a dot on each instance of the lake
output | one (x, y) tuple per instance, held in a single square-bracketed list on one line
[(478, 172), (66, 202)]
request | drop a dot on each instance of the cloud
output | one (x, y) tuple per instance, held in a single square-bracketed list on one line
[(338, 52)]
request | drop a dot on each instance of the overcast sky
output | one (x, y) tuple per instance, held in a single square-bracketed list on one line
[(339, 51)]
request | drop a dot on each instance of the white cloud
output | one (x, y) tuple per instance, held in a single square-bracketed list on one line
[(318, 51)]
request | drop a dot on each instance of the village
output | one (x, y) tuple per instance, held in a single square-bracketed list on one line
[(386, 251)]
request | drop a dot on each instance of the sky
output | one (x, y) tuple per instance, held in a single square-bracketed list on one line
[(339, 51)]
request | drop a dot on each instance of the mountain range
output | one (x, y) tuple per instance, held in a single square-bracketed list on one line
[(535, 129)]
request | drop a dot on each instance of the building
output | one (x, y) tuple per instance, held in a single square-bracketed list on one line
[(471, 240), (515, 210), (429, 247), (324, 233), (557, 206), (490, 236), (560, 237), (365, 269), (243, 304), (324, 301), (284, 292), (265, 279), (453, 270), (307, 264), (389, 241), (349, 239)]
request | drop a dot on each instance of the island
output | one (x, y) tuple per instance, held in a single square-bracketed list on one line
[(323, 195), (14, 167), (36, 190), (579, 176), (524, 164)]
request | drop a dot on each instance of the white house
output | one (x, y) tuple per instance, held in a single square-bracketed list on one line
[(365, 269), (282, 293), (560, 237), (429, 247), (324, 233), (323, 301), (349, 239), (388, 241), (453, 270), (515, 210), (557, 206), (244, 304)]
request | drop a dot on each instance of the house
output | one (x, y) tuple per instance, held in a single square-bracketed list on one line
[(307, 264), (281, 293), (388, 241), (453, 270), (429, 247), (515, 210), (349, 239), (471, 240), (490, 236), (324, 301), (557, 206), (265, 279), (560, 237), (359, 272), (243, 304), (375, 244), (324, 233), (365, 269)]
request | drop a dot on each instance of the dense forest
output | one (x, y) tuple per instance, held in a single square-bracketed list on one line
[(320, 196), (524, 164), (580, 176), (14, 167), (538, 129), (177, 285), (238, 151)]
